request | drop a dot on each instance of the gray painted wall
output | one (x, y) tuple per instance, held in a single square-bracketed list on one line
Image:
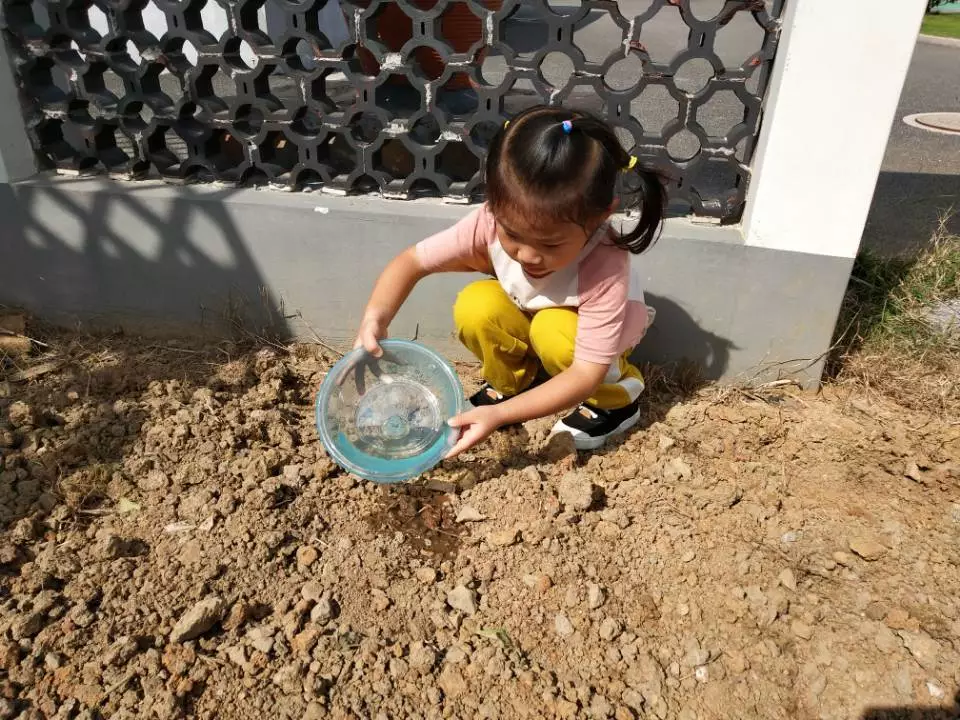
[(173, 259)]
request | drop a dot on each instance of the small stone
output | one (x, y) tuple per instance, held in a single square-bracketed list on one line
[(538, 581), (463, 599), (27, 625), (198, 619), (913, 472), (562, 625), (787, 579), (801, 630), (426, 575), (886, 641), (843, 559), (702, 674), (675, 470), (325, 609), (632, 699), (237, 617), (576, 492), (467, 480), (468, 513), (504, 538), (898, 619), (688, 556), (695, 654), (20, 414), (610, 629), (306, 556), (876, 611), (935, 690), (666, 443), (867, 548), (595, 596), (925, 650), (422, 657), (531, 475), (304, 641), (261, 638), (789, 537), (311, 591)]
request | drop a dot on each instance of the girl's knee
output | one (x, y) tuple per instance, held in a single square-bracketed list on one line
[(553, 336), (482, 304)]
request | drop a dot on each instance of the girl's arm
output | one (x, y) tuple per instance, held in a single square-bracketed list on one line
[(566, 390), (390, 291)]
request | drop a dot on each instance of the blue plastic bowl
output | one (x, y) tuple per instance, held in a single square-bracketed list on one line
[(385, 419)]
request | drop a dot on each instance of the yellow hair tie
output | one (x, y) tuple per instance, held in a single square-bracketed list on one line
[(632, 163), (505, 124)]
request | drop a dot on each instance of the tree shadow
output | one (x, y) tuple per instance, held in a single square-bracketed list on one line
[(142, 264)]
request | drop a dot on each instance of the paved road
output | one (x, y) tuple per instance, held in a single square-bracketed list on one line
[(920, 179)]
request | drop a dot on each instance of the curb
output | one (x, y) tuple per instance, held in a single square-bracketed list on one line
[(936, 40)]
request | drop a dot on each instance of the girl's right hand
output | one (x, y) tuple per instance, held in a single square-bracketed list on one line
[(372, 331)]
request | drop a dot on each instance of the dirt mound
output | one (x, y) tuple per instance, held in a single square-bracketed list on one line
[(175, 543)]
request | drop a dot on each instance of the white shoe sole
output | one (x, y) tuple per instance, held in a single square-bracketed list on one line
[(582, 441)]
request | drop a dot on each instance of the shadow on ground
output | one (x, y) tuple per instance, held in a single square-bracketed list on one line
[(915, 713)]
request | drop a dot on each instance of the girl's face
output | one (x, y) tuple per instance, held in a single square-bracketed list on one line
[(543, 248)]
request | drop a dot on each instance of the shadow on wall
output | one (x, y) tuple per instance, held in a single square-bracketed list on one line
[(676, 337), (907, 211), (915, 713), (142, 277)]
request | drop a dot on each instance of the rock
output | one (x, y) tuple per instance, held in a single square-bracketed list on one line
[(789, 537), (504, 538), (576, 492), (325, 610), (237, 655), (702, 674), (595, 596), (422, 658), (688, 556), (451, 681), (787, 579), (899, 619), (311, 591), (886, 641), (261, 638), (562, 625), (304, 641), (463, 599), (531, 475), (867, 548), (237, 617), (468, 513), (665, 443), (20, 414), (935, 690), (632, 699), (646, 676), (426, 575), (695, 654), (608, 530), (925, 650), (801, 630), (675, 470), (306, 556), (198, 619), (539, 582), (27, 625), (610, 629), (913, 472), (843, 559)]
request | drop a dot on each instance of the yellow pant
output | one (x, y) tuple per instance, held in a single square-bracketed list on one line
[(512, 345)]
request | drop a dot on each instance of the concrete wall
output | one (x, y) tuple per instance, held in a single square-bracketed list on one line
[(161, 258)]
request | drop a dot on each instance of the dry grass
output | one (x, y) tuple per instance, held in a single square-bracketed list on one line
[(885, 339)]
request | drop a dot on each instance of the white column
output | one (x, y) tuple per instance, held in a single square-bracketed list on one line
[(832, 98)]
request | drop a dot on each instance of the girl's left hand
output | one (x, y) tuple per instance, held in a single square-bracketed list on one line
[(475, 425)]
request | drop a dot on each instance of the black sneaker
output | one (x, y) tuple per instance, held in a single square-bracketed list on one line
[(591, 426), (488, 395)]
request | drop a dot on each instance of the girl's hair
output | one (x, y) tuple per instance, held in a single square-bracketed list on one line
[(566, 165)]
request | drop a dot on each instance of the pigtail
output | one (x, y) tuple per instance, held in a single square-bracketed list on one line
[(652, 206)]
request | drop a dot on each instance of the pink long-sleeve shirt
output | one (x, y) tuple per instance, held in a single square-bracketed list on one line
[(612, 314)]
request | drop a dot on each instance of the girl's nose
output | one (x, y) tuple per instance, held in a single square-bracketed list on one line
[(528, 256)]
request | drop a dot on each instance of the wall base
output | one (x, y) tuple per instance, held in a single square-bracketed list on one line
[(160, 259)]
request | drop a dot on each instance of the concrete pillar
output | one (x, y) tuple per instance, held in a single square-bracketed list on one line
[(836, 83), (17, 161)]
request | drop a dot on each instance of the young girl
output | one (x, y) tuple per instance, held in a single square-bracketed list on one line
[(555, 329)]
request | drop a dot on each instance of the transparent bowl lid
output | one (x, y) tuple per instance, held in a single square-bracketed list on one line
[(386, 419)]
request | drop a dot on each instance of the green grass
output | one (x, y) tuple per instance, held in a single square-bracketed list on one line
[(884, 338), (943, 25)]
